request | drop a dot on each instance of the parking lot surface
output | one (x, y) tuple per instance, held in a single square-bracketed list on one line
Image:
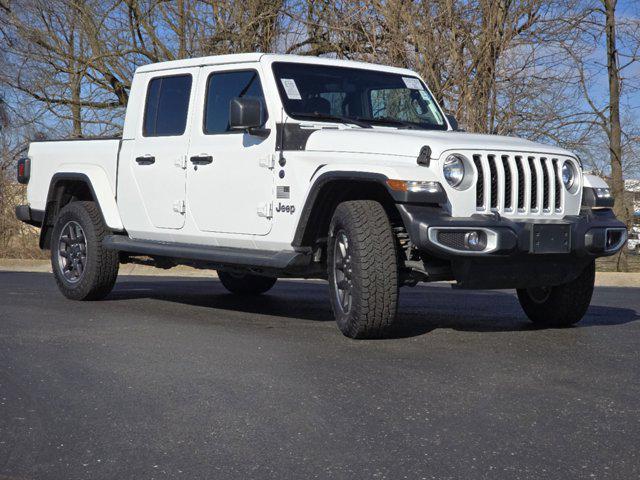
[(175, 378)]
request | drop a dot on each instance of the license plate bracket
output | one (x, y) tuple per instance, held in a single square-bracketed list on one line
[(550, 238)]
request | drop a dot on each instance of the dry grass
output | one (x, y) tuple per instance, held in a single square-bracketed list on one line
[(17, 239), (608, 264)]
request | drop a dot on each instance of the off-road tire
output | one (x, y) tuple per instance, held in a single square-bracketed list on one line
[(373, 269), (565, 304), (101, 269), (246, 284)]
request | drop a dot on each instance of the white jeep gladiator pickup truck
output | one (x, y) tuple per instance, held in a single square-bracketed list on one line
[(266, 166)]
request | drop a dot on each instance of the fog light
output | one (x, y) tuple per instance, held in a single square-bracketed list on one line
[(463, 241), (475, 240), (472, 240)]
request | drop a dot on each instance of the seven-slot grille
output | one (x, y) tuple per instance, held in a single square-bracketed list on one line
[(519, 184)]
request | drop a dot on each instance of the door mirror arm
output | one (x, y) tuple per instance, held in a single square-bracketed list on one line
[(454, 123)]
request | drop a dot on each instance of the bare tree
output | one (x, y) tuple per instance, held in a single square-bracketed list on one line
[(612, 125), (77, 57), (514, 67)]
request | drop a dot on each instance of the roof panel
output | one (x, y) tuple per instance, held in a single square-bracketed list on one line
[(257, 57), (200, 61)]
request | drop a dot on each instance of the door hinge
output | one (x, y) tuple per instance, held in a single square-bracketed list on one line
[(268, 161), (181, 162), (179, 207), (265, 210)]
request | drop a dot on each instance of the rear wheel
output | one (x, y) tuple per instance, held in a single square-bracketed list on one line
[(83, 268), (562, 305), (246, 283), (362, 269)]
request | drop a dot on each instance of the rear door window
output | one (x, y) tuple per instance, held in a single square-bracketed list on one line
[(167, 106)]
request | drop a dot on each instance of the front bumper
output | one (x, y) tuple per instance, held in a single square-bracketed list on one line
[(515, 254)]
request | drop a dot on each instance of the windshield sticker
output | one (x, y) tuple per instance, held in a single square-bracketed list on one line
[(412, 83), (424, 95), (291, 89)]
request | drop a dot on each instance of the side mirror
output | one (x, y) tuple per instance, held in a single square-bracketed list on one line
[(246, 114), (453, 122)]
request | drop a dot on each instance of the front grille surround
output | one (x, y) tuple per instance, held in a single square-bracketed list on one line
[(523, 184)]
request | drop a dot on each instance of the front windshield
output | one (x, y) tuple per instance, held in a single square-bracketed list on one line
[(365, 96)]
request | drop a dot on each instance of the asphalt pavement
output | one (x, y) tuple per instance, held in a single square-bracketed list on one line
[(175, 378)]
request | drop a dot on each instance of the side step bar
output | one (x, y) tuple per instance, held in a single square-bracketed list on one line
[(219, 255)]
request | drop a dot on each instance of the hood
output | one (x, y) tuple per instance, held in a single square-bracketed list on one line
[(389, 141)]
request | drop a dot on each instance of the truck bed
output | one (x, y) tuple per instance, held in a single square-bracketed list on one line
[(96, 156)]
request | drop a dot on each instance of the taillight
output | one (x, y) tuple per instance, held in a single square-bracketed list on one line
[(24, 170)]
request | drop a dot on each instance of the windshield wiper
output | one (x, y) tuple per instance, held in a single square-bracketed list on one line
[(392, 121), (331, 118)]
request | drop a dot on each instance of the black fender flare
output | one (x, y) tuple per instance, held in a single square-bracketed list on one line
[(51, 206), (357, 177)]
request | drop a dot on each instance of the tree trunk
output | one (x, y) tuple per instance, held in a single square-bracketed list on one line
[(75, 78), (76, 108), (182, 30), (615, 130)]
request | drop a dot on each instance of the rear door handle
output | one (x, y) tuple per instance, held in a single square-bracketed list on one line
[(146, 160), (201, 159)]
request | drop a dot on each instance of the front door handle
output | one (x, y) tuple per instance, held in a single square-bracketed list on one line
[(201, 159), (146, 160)]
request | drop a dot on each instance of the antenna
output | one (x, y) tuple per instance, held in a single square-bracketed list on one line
[(281, 160)]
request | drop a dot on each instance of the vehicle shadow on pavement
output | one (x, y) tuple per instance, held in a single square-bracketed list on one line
[(293, 299), (422, 309), (414, 325)]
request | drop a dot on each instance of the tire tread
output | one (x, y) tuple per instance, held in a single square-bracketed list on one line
[(101, 276), (374, 246)]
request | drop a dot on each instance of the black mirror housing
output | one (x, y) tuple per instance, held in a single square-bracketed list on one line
[(453, 122), (246, 114)]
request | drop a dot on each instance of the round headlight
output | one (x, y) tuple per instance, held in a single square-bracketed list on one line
[(453, 170), (568, 175)]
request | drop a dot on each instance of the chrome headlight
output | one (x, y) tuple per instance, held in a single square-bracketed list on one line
[(568, 175), (453, 169)]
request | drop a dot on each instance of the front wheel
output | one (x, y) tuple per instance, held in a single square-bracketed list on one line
[(562, 305), (362, 269)]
